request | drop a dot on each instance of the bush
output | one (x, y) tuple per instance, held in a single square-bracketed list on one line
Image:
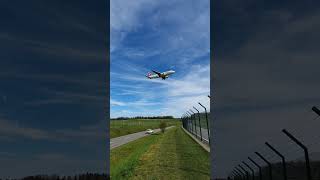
[(163, 126)]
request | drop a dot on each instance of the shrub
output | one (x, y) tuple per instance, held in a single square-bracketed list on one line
[(163, 126)]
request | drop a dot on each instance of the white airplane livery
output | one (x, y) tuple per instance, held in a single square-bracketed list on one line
[(157, 74)]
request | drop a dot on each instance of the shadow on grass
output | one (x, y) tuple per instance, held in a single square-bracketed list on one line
[(186, 169), (155, 134), (158, 133), (184, 144)]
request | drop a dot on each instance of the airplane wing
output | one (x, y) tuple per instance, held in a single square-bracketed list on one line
[(159, 74)]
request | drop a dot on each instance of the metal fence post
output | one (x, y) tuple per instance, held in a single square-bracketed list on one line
[(232, 176), (191, 129), (284, 168), (247, 173), (259, 167), (188, 121), (269, 164), (199, 122), (195, 122), (191, 123), (184, 121), (208, 128), (181, 120), (316, 110), (305, 149), (236, 174), (252, 171), (243, 174), (240, 175)]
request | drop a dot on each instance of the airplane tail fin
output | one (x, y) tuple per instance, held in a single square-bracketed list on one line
[(148, 75)]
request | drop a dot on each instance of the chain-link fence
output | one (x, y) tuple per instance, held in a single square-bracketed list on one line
[(196, 121), (275, 162)]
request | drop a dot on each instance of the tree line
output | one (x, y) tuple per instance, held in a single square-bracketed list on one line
[(87, 176), (143, 117)]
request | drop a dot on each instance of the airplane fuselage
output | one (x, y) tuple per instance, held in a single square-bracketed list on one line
[(162, 75)]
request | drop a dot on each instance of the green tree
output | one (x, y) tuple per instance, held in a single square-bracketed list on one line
[(163, 126)]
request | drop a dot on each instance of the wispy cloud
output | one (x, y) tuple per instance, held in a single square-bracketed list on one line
[(8, 128), (116, 103), (170, 25), (174, 96), (53, 88), (159, 35), (125, 17), (15, 130), (74, 52), (66, 97)]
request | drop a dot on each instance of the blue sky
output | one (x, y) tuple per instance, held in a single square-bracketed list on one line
[(53, 87), (159, 35)]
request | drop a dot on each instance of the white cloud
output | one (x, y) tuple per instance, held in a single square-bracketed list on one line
[(169, 20), (124, 18), (180, 35), (116, 103), (185, 93), (197, 81), (175, 96), (72, 51), (14, 129), (8, 128), (62, 97)]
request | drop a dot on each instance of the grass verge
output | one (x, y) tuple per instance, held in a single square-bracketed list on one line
[(172, 155), (125, 158)]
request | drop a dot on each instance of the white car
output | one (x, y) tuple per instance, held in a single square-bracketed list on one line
[(149, 131)]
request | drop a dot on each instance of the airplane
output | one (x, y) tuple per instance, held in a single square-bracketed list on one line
[(157, 74)]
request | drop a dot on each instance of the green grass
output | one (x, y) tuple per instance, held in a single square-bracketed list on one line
[(125, 158), (172, 155), (124, 127)]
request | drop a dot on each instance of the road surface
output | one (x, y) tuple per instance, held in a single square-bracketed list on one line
[(118, 141)]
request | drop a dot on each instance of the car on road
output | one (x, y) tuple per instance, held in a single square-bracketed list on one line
[(149, 131)]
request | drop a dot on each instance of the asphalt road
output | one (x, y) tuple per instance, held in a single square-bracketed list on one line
[(118, 141)]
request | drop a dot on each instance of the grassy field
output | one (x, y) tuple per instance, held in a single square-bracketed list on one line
[(172, 155), (124, 127)]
